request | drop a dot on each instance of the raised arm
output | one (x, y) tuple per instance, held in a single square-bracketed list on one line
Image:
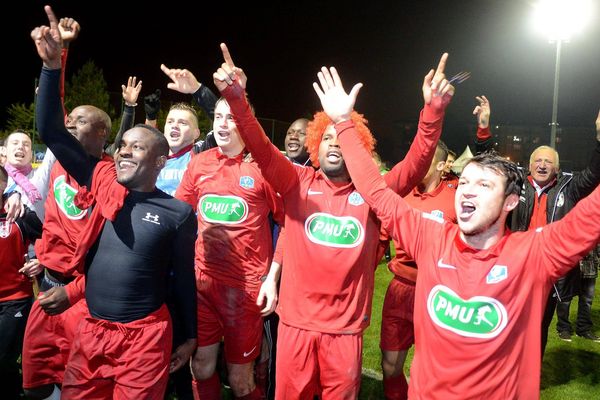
[(130, 95), (69, 31), (564, 246), (410, 172), (484, 140), (396, 217), (585, 181), (183, 81), (49, 114), (276, 169)]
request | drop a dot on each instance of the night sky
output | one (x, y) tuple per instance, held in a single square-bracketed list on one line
[(389, 46)]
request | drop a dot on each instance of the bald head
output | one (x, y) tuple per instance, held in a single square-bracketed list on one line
[(91, 126)]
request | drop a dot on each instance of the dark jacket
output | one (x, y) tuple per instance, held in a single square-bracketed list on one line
[(568, 189)]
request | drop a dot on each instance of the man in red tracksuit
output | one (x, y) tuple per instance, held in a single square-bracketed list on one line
[(16, 291), (481, 289), (331, 247), (436, 197), (233, 253)]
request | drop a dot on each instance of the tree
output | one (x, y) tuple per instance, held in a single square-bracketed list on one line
[(19, 116), (88, 86)]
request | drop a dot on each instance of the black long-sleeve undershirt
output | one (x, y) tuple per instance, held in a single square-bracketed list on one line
[(153, 234), (51, 126)]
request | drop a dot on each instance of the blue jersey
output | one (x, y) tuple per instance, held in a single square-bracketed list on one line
[(170, 176)]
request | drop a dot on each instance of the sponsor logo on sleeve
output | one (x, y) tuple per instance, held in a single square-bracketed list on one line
[(329, 230), (64, 195), (478, 317), (223, 209)]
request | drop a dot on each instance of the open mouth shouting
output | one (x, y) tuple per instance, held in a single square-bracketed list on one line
[(467, 209), (334, 156)]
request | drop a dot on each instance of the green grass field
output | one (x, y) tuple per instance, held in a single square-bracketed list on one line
[(569, 371)]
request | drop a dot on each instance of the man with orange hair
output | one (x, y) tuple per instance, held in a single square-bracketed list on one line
[(331, 246)]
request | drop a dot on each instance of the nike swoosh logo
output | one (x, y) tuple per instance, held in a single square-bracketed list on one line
[(203, 177), (441, 264), (311, 192), (250, 352)]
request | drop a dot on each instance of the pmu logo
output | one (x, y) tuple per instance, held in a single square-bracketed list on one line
[(328, 230), (478, 317), (64, 194), (223, 209)]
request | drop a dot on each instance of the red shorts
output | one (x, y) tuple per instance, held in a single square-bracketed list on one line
[(111, 360), (47, 344), (310, 363), (232, 314), (397, 330)]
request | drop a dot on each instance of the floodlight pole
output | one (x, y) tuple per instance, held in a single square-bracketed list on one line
[(554, 122)]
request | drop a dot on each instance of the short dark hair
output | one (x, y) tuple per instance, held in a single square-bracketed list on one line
[(441, 152), (502, 166), (162, 146)]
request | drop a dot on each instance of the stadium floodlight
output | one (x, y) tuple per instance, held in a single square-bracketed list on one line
[(558, 21)]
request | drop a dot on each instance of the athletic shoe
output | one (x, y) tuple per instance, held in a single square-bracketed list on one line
[(564, 335), (590, 336)]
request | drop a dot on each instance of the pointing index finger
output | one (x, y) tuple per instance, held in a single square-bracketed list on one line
[(442, 64), (51, 17), (227, 56)]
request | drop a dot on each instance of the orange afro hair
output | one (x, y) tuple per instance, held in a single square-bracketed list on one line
[(316, 129)]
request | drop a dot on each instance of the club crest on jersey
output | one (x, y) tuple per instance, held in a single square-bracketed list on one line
[(331, 231), (438, 214), (478, 317), (497, 274), (355, 199), (64, 195), (223, 209), (247, 182), (4, 229)]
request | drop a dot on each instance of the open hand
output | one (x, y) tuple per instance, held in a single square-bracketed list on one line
[(482, 111), (131, 91), (337, 104)]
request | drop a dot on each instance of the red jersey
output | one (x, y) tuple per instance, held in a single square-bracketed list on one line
[(440, 204), (477, 313), (232, 201), (331, 235), (63, 221), (13, 247)]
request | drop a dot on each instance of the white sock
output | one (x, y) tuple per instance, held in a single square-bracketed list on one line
[(55, 394)]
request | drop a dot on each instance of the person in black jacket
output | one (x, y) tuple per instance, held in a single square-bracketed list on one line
[(546, 196)]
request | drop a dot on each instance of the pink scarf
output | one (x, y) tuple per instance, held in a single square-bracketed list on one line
[(19, 175)]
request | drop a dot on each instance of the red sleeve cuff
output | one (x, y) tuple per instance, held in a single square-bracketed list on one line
[(483, 133), (430, 114)]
